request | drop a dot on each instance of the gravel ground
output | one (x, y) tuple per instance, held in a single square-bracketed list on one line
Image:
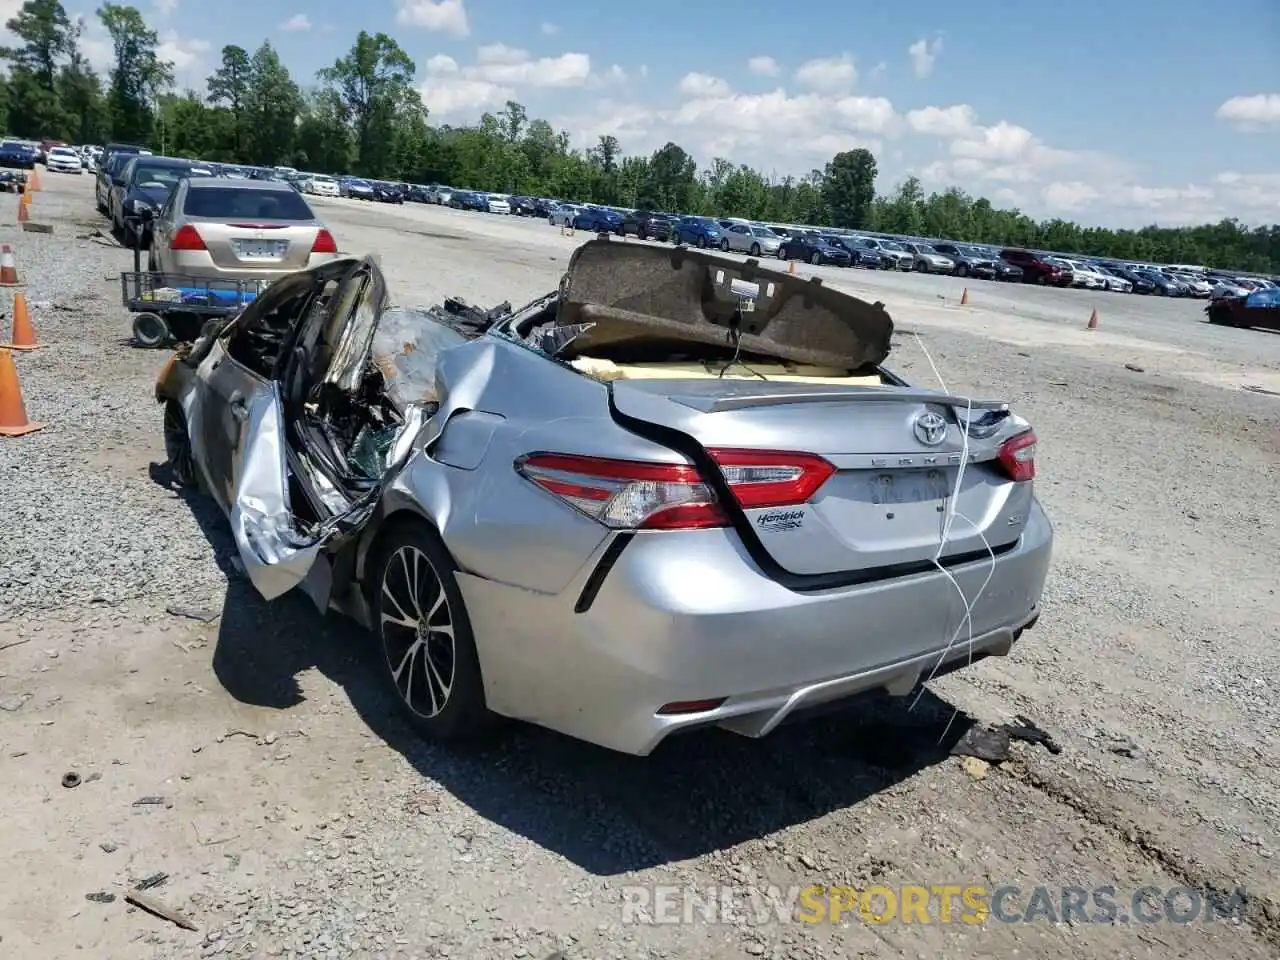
[(298, 818)]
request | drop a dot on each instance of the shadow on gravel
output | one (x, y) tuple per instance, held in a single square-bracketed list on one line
[(607, 813)]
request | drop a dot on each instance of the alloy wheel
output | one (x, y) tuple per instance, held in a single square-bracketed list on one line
[(416, 628)]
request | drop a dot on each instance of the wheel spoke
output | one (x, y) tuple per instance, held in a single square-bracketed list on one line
[(417, 632)]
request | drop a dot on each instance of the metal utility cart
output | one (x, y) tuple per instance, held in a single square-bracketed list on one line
[(175, 307)]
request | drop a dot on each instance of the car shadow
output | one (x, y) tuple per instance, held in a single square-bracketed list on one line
[(606, 812)]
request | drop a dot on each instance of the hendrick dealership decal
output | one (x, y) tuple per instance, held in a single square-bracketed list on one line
[(780, 520)]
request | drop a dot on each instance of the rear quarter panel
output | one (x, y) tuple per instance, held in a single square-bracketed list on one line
[(496, 524)]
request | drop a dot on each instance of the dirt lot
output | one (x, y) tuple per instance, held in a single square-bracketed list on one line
[(242, 749)]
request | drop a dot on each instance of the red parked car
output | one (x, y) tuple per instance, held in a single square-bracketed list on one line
[(1038, 269)]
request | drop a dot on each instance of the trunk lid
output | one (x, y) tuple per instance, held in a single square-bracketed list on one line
[(897, 453)]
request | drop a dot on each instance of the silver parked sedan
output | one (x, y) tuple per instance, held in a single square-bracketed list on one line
[(223, 229), (748, 238), (662, 497)]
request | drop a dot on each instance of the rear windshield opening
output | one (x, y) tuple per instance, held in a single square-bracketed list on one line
[(224, 203)]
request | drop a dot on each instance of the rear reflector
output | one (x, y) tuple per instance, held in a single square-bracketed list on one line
[(187, 238), (633, 495), (1018, 456), (324, 242)]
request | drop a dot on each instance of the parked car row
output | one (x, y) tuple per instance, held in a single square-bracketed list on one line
[(845, 248)]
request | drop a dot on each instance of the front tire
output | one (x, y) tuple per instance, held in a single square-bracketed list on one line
[(177, 446), (724, 245), (816, 259), (429, 659), (755, 249)]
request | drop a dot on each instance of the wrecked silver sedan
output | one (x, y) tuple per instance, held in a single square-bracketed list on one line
[(679, 491)]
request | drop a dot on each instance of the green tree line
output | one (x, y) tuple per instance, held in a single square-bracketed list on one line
[(364, 115)]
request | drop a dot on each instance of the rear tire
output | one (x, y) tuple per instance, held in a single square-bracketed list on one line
[(428, 653), (816, 259)]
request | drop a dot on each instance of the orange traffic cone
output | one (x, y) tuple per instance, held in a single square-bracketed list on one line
[(13, 413), (24, 334), (1093, 320), (8, 267), (23, 213), (964, 298), (791, 267), (33, 181)]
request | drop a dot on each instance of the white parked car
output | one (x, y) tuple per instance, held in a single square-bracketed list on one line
[(1082, 275), (63, 160), (499, 203), (322, 186), (1118, 284)]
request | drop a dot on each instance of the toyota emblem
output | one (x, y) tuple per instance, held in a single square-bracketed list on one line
[(930, 428)]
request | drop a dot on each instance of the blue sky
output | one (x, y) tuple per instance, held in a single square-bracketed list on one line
[(1110, 113)]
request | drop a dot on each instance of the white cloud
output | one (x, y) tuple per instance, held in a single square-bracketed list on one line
[(298, 23), (164, 8), (1252, 113), (441, 63), (828, 74), (924, 53), (95, 44), (703, 85), (187, 57), (451, 90), (945, 122), (550, 29), (764, 66), (441, 16), (879, 70)]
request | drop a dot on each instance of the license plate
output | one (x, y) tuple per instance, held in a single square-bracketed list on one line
[(908, 487), (260, 249)]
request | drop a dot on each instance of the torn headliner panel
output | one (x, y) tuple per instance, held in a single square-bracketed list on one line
[(642, 293), (406, 345)]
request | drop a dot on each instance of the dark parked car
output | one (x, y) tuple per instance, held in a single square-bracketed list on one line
[(859, 255), (969, 261), (529, 207), (1163, 284), (648, 225), (1140, 283), (1037, 268), (388, 192), (597, 220), (1261, 308), (140, 191), (17, 155), (698, 232), (815, 249)]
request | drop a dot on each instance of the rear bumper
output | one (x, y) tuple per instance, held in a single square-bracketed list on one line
[(686, 617), (199, 265)]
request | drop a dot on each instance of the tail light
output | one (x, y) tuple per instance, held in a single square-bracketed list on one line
[(631, 495), (1018, 456), (324, 242), (187, 238)]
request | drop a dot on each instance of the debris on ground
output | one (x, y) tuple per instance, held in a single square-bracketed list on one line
[(975, 767), (157, 907), (155, 801), (151, 882), (991, 743), (100, 897), (71, 780), (1135, 368), (192, 613)]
